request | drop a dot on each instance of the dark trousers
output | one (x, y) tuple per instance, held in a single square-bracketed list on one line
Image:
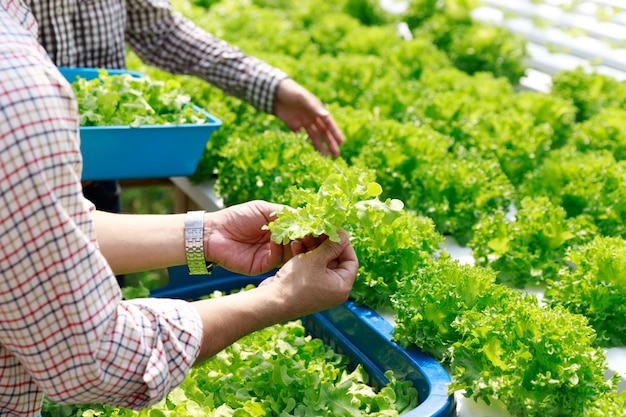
[(105, 195)]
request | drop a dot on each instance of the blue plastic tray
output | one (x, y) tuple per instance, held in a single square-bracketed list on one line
[(151, 151), (356, 331)]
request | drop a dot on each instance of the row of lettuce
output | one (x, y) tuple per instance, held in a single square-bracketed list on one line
[(279, 370), (532, 182)]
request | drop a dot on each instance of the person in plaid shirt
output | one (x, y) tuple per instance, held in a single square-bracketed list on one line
[(95, 34), (65, 332)]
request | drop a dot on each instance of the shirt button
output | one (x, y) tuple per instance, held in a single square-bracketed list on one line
[(58, 10)]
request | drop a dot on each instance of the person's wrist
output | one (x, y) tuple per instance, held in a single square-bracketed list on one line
[(208, 230), (195, 243)]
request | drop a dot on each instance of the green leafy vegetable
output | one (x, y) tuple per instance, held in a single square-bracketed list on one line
[(604, 131), (265, 166), (536, 361), (476, 46), (389, 249), (501, 344), (122, 99), (340, 199), (435, 296), (456, 192), (590, 92), (590, 183), (389, 241), (557, 112), (396, 151), (529, 249), (595, 286)]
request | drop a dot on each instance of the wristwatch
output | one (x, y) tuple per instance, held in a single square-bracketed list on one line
[(194, 244)]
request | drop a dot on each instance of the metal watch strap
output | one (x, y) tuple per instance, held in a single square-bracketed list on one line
[(194, 243)]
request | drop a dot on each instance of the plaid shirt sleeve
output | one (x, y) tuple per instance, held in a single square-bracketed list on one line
[(64, 330), (165, 39)]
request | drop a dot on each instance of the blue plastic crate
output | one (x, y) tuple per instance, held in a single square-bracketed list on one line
[(149, 151), (355, 331)]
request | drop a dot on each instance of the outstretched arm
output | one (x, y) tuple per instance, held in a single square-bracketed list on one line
[(166, 39), (233, 238)]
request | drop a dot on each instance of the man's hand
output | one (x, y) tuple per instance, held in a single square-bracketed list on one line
[(235, 240), (319, 276), (299, 109)]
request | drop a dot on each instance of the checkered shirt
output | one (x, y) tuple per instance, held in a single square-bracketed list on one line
[(64, 331), (79, 33)]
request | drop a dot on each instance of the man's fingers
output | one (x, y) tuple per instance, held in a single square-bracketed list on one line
[(330, 131), (333, 250), (306, 244), (315, 136)]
